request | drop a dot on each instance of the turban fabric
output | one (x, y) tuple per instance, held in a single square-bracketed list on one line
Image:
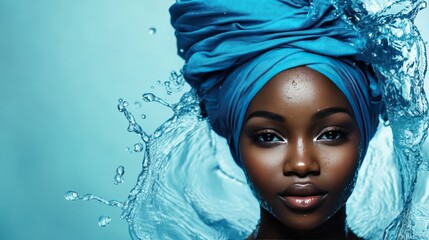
[(232, 48)]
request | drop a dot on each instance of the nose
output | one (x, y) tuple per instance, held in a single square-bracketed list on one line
[(301, 159)]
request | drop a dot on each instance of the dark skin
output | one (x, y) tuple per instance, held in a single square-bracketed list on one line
[(299, 146)]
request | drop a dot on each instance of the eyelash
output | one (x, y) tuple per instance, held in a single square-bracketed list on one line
[(339, 136), (258, 137)]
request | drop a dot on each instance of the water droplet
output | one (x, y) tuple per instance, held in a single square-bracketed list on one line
[(143, 116), (137, 104), (158, 82), (169, 92), (103, 221), (119, 175), (138, 147), (181, 50), (127, 149), (71, 196), (122, 105), (148, 97), (152, 31), (152, 87)]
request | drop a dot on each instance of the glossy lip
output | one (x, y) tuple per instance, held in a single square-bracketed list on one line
[(302, 196)]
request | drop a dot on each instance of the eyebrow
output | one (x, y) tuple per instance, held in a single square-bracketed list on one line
[(329, 111), (268, 115)]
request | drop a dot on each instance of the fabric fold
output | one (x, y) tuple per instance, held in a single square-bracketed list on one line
[(233, 48)]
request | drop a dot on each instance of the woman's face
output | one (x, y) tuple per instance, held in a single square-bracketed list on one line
[(300, 148)]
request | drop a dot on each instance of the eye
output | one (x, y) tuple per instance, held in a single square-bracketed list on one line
[(267, 137), (332, 135)]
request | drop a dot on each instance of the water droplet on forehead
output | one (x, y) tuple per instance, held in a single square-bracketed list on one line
[(152, 31)]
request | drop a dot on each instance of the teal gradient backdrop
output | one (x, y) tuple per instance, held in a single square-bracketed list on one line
[(63, 65)]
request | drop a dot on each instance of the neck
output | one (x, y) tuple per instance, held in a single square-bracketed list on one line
[(271, 227)]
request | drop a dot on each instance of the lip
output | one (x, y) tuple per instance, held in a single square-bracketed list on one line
[(303, 197)]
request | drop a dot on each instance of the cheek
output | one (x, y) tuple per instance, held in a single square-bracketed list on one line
[(340, 165), (263, 168)]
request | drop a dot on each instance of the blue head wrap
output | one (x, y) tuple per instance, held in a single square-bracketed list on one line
[(233, 48)]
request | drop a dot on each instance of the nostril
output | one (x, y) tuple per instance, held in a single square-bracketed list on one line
[(301, 174)]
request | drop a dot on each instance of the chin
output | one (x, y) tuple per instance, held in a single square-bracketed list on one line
[(305, 223)]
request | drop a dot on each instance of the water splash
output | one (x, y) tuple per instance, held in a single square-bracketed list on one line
[(395, 47), (103, 221), (185, 163), (71, 196), (175, 84), (133, 126), (189, 185), (119, 176)]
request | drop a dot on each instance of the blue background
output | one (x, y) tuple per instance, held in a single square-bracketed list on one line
[(63, 65)]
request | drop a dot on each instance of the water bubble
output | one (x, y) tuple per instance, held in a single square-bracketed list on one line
[(127, 149), (103, 221), (148, 97), (152, 87), (119, 175), (138, 147), (143, 116), (158, 82), (152, 31), (181, 50), (71, 196), (137, 104)]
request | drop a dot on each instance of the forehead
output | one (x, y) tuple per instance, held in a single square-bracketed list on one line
[(299, 89)]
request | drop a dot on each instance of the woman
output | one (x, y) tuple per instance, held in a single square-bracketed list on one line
[(280, 80), (299, 146)]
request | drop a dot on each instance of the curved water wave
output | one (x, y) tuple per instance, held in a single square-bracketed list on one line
[(191, 187)]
